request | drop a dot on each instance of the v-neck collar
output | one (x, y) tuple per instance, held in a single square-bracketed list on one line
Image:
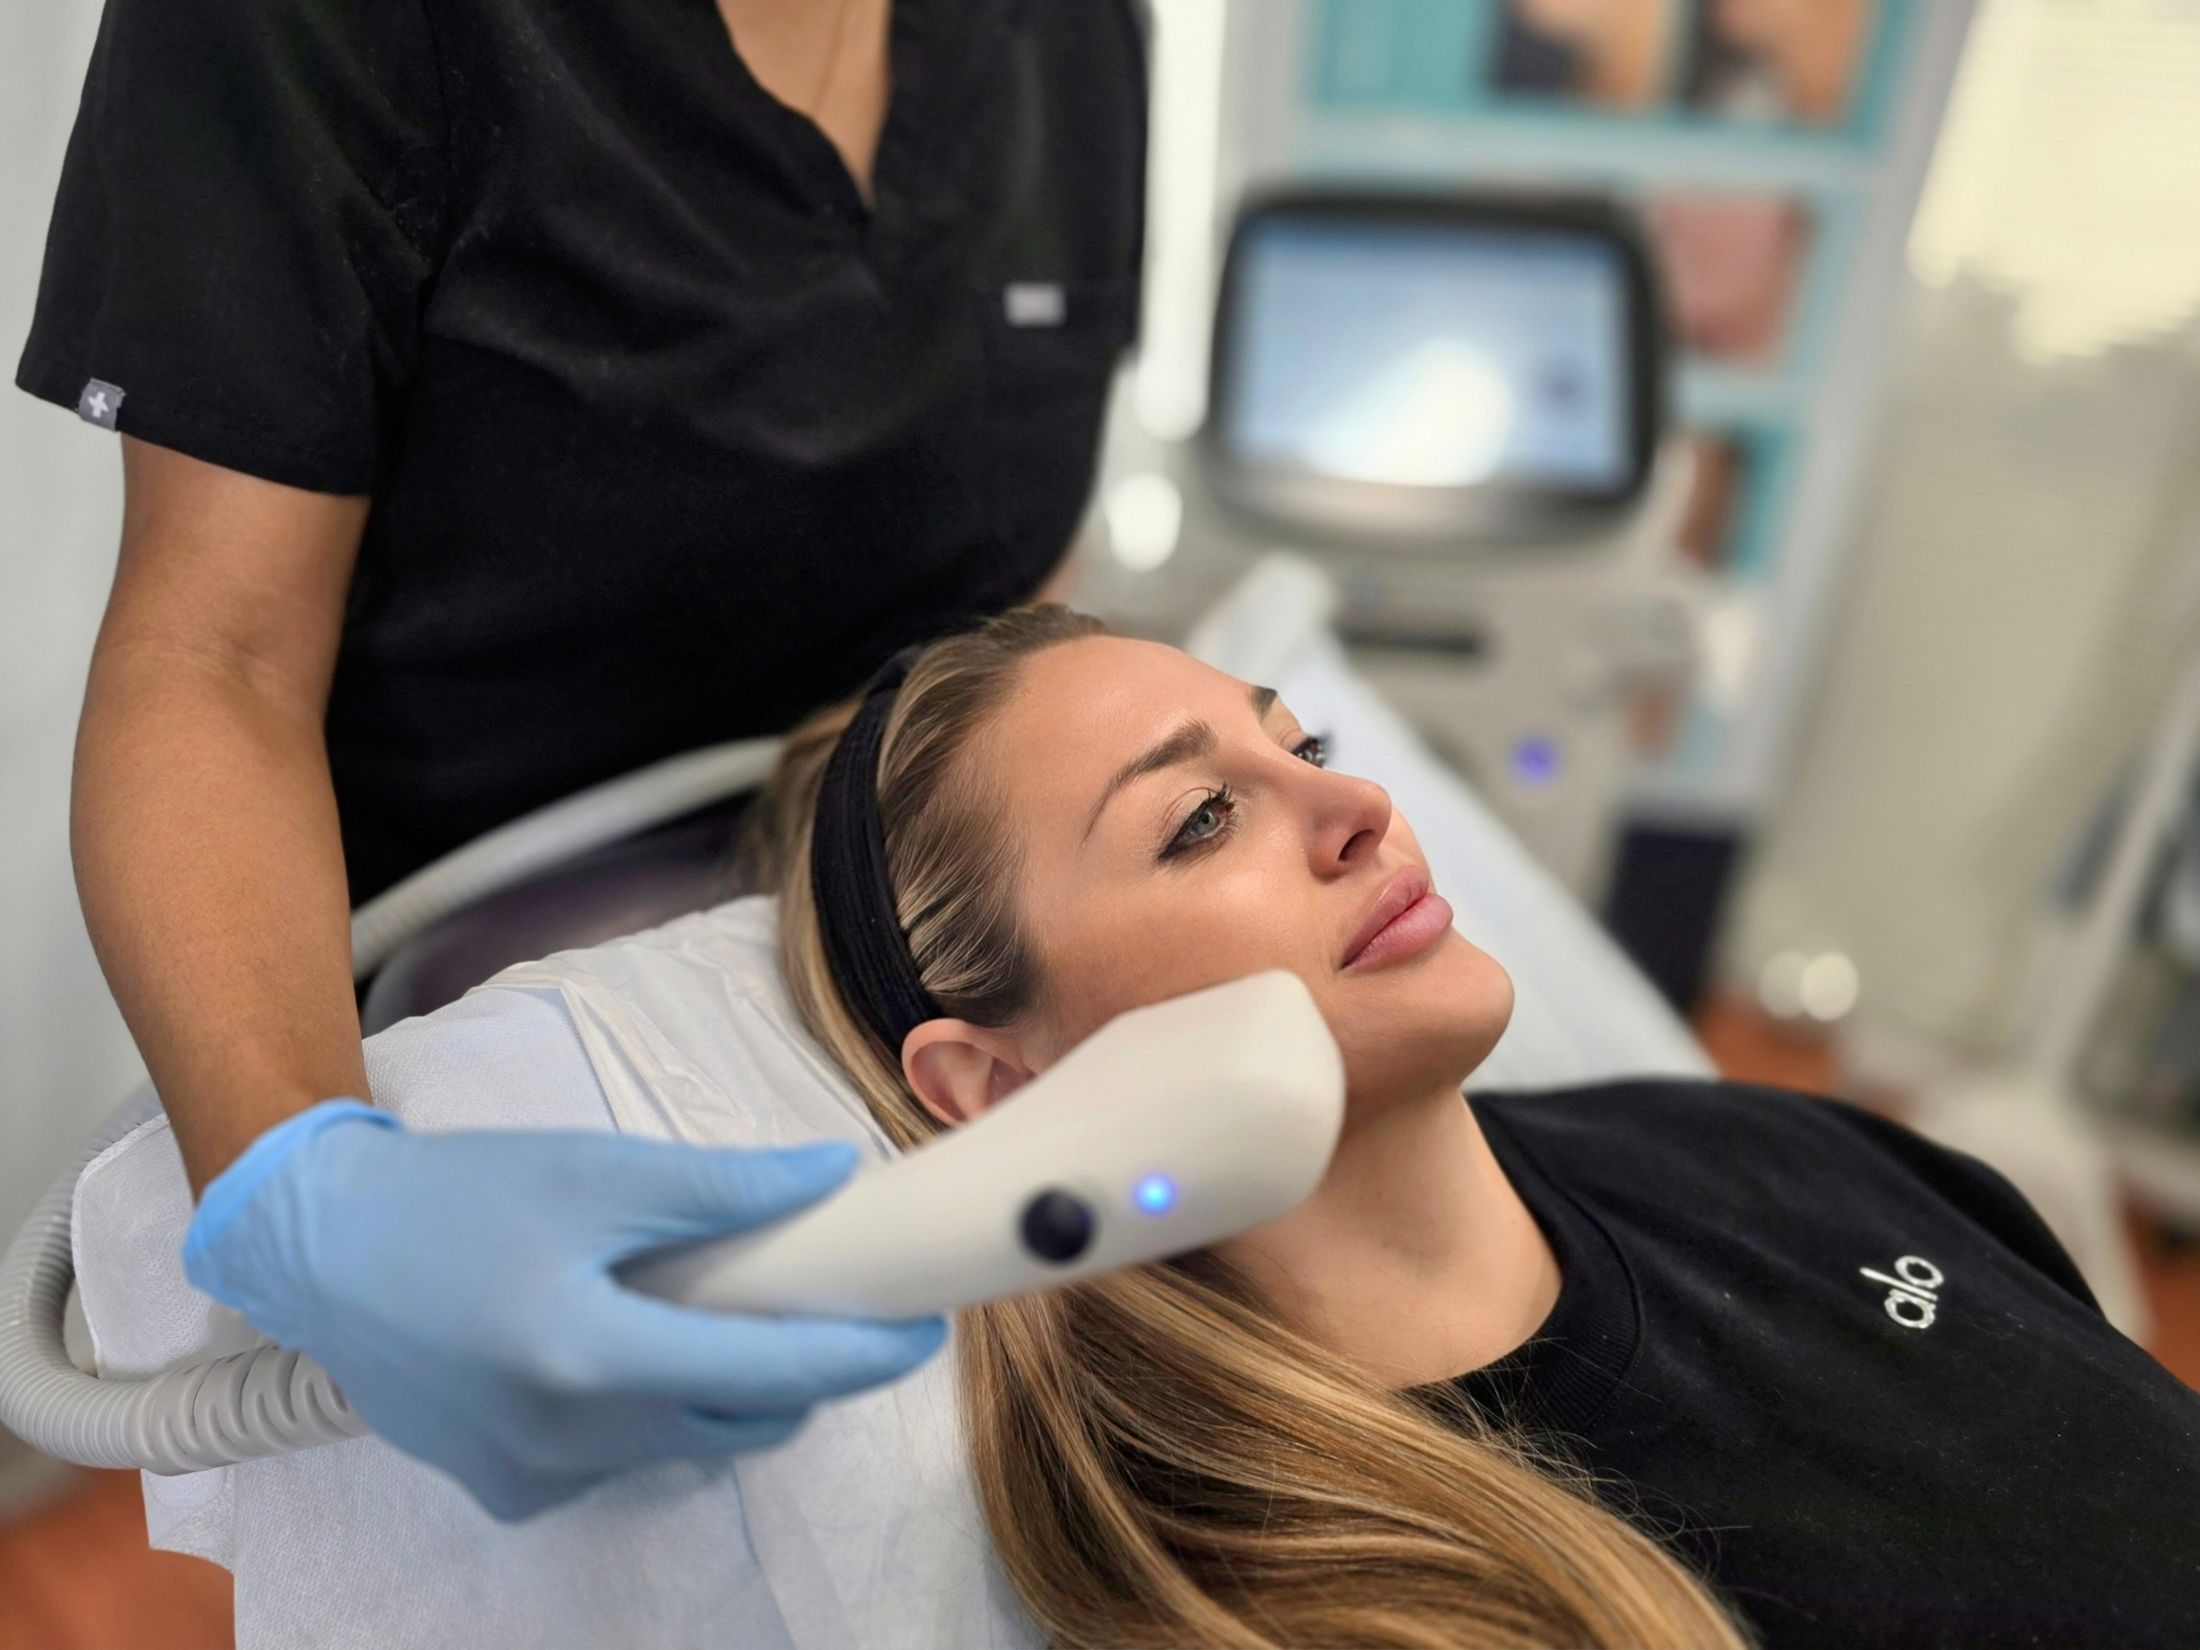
[(818, 165), (936, 59)]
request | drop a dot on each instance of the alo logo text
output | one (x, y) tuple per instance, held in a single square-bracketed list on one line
[(1913, 1299)]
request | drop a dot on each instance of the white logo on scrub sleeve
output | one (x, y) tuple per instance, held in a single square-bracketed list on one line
[(99, 403), (1913, 1295)]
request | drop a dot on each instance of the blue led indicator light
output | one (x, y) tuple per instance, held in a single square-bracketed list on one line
[(1156, 1194), (1535, 761)]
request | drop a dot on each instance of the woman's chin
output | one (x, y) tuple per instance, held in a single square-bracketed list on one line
[(1454, 986), (1423, 1025)]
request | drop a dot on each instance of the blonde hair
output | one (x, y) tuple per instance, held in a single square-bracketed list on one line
[(1162, 1462)]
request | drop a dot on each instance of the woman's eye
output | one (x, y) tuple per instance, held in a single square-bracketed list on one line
[(1218, 812), (1203, 823)]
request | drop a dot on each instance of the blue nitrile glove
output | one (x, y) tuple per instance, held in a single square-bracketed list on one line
[(458, 1286)]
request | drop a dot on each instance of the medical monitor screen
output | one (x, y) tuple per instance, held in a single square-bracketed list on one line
[(1440, 353)]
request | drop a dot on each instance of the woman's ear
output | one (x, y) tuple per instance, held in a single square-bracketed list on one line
[(956, 1069)]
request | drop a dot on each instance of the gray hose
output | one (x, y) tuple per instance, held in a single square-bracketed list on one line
[(269, 1399), (251, 1403)]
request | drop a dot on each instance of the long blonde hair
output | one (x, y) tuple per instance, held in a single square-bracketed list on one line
[(1161, 1461)]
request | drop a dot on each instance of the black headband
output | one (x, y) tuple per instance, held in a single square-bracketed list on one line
[(864, 944)]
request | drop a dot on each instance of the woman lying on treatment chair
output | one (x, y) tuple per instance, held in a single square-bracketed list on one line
[(1647, 1363)]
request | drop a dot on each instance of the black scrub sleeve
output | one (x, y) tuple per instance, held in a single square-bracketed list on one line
[(1977, 1188), (249, 216)]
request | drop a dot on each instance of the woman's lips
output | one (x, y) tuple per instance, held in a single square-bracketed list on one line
[(1405, 920)]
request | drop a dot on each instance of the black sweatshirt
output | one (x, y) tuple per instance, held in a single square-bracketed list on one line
[(1848, 1372)]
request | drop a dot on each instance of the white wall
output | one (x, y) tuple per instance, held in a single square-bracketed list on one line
[(2028, 567), (65, 1059)]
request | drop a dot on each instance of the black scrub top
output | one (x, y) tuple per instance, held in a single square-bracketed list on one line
[(1851, 1369), (670, 437)]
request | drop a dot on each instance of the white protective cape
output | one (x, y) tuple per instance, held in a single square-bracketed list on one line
[(863, 1531)]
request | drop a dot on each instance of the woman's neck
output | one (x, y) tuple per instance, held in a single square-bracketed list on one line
[(1414, 1258)]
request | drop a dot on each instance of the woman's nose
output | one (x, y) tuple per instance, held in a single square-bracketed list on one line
[(1353, 816)]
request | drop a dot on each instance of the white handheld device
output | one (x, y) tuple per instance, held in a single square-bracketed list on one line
[(1171, 1127)]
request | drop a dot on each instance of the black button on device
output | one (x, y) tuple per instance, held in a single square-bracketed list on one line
[(1057, 1226)]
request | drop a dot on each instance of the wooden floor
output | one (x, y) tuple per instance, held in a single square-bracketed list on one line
[(75, 1573)]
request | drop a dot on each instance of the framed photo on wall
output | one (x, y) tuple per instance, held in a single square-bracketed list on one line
[(1817, 70)]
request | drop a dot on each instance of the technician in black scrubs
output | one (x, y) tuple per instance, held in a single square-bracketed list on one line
[(513, 392)]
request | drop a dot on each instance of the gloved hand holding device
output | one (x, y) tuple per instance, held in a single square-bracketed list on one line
[(458, 1286)]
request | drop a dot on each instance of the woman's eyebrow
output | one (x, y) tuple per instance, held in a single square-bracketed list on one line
[(1194, 738)]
